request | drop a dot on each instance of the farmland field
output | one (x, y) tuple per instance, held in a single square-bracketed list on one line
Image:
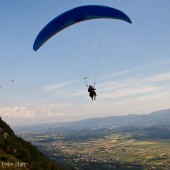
[(105, 149)]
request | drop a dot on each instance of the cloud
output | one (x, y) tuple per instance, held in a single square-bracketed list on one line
[(130, 92), (56, 86), (136, 80), (17, 111), (53, 110), (143, 80), (160, 77), (160, 63), (117, 89), (137, 90), (64, 90), (53, 107), (55, 114), (56, 105)]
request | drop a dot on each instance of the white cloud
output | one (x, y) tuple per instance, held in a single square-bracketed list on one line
[(55, 114), (165, 76), (56, 86), (55, 105), (130, 82), (135, 86), (160, 63), (17, 111), (53, 110), (132, 93)]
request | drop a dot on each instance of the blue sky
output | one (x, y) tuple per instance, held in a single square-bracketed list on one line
[(130, 62)]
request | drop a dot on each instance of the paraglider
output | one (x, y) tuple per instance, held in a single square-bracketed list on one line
[(10, 82), (74, 16), (92, 92)]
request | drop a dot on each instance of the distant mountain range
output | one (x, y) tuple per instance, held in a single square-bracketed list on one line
[(154, 118)]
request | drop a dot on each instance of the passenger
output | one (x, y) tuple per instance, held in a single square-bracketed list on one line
[(92, 92)]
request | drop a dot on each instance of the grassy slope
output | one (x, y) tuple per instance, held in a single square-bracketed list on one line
[(16, 151)]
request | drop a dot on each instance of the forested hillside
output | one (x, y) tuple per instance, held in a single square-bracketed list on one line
[(15, 153)]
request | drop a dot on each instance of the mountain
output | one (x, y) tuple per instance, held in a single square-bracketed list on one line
[(154, 118), (15, 153)]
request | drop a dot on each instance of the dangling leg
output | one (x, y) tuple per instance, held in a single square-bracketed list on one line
[(94, 95), (91, 95)]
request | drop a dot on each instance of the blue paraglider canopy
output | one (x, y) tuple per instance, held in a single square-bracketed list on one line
[(74, 16)]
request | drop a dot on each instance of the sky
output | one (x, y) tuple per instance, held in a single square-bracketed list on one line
[(129, 63)]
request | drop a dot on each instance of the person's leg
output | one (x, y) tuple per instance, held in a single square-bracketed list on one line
[(94, 94), (91, 95)]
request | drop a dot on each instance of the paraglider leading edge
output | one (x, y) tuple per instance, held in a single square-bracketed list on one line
[(74, 16)]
